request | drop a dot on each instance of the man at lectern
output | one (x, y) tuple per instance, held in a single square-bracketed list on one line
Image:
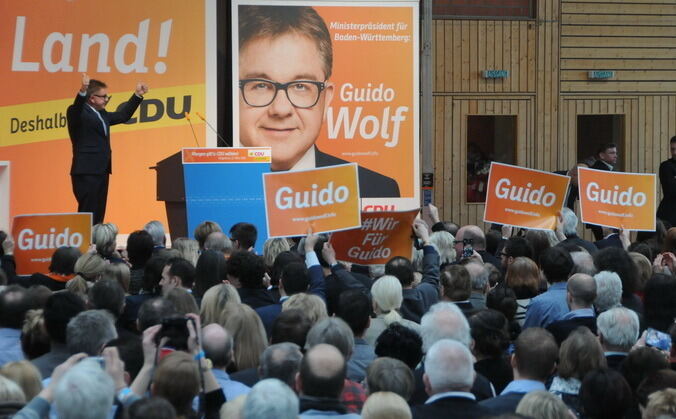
[(89, 129)]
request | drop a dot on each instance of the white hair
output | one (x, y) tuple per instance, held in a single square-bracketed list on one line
[(444, 320), (388, 295), (449, 366), (569, 221), (86, 391), (156, 231), (270, 398), (443, 242), (619, 327), (608, 290)]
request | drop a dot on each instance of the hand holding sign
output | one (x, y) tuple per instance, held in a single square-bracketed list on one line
[(421, 231)]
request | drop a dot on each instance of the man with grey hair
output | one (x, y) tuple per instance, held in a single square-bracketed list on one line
[(219, 242), (89, 332), (270, 398), (448, 378), (156, 231), (478, 243), (583, 263), (479, 276), (445, 321), (218, 345), (85, 391), (618, 330), (608, 291), (580, 295), (280, 361), (567, 224)]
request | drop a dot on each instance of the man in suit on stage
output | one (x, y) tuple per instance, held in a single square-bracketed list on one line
[(667, 209), (89, 129), (606, 158), (285, 62)]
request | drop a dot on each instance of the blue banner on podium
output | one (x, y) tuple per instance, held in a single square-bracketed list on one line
[(225, 185)]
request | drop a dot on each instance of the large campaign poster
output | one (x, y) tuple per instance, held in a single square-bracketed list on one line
[(329, 82), (47, 45)]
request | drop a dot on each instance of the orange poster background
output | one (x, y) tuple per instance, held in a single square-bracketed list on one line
[(40, 161), (363, 63), (357, 246), (612, 215), (331, 217), (29, 261), (524, 214)]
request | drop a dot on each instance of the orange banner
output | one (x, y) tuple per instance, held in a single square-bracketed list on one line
[(37, 236), (227, 155), (523, 197), (326, 199), (345, 53), (382, 236), (618, 200)]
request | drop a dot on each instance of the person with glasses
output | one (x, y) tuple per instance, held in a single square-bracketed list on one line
[(285, 63), (89, 129)]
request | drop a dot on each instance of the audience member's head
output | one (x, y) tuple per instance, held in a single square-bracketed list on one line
[(385, 405), (608, 291), (659, 380), (333, 331), (640, 363), (322, 372), (310, 304), (490, 331), (658, 300), (661, 405), (107, 294), (580, 353), (11, 392), (26, 375), (87, 388), (270, 398), (63, 260), (130, 349), (618, 329), (153, 311), (151, 408), (245, 270), (583, 263), (455, 283), (479, 276), (14, 304), (282, 259), (177, 272), (645, 269), (449, 366), (89, 331), (617, 260), (355, 308), (152, 274), (523, 276), (209, 271), (444, 321), (280, 361), (515, 247), (581, 291), (219, 242), (156, 231), (400, 342), (183, 301), (389, 374), (104, 237), (218, 345), (203, 230), (120, 272), (59, 309), (535, 354), (569, 221), (387, 297), (177, 379), (243, 236), (187, 248), (140, 247), (503, 299), (443, 242), (215, 300), (605, 394), (247, 330), (294, 279), (273, 248), (556, 264), (543, 405), (35, 341), (292, 326), (402, 269)]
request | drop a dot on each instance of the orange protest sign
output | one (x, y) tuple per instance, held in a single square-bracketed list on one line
[(382, 236), (619, 200), (326, 199), (37, 236), (523, 197)]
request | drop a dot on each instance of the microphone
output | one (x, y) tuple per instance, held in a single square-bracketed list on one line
[(187, 116), (221, 140)]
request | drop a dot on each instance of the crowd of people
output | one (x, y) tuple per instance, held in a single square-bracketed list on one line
[(497, 323)]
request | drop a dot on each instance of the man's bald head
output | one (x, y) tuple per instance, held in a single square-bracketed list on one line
[(322, 372), (581, 290), (217, 344), (218, 241)]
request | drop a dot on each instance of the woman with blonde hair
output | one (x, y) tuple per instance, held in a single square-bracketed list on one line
[(188, 248), (313, 306), (247, 331), (387, 296), (272, 248), (443, 241), (119, 272), (543, 405), (215, 300), (25, 375), (35, 341), (104, 237), (88, 269), (523, 277), (386, 405)]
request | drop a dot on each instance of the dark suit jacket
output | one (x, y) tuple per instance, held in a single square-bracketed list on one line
[(615, 361), (255, 297), (562, 328), (506, 403), (667, 209), (91, 143), (599, 165), (580, 242), (371, 184), (611, 241), (573, 192), (450, 407), (482, 388)]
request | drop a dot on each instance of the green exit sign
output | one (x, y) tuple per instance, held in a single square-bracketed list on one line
[(601, 74)]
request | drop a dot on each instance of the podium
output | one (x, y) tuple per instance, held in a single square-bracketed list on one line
[(224, 185)]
